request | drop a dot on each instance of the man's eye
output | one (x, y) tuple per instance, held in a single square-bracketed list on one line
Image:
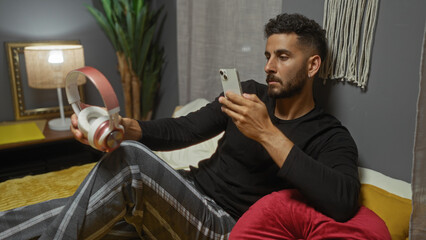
[(283, 58)]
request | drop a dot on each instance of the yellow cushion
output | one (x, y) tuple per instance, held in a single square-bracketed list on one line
[(393, 209), (38, 188)]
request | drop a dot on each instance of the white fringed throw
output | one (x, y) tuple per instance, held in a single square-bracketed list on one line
[(350, 28)]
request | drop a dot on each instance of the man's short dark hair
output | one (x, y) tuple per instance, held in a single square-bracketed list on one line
[(309, 32)]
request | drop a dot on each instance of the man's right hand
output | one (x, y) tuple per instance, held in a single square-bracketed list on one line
[(132, 130)]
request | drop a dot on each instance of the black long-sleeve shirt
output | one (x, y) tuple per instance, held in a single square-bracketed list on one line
[(322, 164)]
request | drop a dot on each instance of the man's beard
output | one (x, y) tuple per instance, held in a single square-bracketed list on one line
[(289, 88)]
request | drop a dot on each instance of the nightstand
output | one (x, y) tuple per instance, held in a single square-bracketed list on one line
[(58, 150)]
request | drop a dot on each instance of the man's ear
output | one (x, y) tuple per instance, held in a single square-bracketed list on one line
[(314, 64)]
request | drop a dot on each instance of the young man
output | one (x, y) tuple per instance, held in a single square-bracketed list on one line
[(275, 138)]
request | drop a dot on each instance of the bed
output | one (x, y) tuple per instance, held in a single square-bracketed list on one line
[(389, 198)]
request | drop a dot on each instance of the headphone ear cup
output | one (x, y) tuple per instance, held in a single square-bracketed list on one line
[(87, 116), (94, 127)]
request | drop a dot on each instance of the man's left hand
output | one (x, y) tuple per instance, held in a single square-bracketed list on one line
[(248, 113), (251, 117)]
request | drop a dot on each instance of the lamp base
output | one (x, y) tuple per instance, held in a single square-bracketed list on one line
[(59, 124)]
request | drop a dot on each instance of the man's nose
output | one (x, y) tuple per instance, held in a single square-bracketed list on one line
[(270, 66)]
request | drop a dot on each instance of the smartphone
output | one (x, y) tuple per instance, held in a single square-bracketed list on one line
[(230, 80)]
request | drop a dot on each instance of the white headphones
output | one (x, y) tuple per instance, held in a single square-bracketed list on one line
[(100, 126)]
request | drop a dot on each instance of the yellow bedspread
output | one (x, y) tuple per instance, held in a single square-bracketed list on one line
[(34, 189)]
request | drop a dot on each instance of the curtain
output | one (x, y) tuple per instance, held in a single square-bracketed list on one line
[(418, 181), (220, 34)]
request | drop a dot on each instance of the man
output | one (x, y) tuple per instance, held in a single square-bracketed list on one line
[(275, 138)]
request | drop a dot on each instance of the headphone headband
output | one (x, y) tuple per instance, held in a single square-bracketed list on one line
[(101, 83)]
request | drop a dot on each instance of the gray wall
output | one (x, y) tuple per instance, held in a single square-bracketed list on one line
[(381, 119)]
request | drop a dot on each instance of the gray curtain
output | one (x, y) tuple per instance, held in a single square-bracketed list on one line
[(418, 182), (220, 34)]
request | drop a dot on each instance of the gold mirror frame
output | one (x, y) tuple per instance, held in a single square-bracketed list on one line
[(15, 52)]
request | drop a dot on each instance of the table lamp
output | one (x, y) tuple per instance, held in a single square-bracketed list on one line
[(47, 67)]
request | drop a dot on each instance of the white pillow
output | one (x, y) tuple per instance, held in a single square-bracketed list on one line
[(190, 156), (392, 185)]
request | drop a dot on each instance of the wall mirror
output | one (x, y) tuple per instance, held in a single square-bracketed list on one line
[(30, 103)]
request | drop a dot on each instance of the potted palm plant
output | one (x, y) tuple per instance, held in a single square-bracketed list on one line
[(134, 29)]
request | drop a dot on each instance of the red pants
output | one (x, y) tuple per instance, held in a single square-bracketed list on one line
[(285, 215)]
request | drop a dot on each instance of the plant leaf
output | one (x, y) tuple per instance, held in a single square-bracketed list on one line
[(121, 36), (146, 45), (118, 11), (137, 5), (129, 23), (100, 18), (106, 4), (140, 25), (139, 34)]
